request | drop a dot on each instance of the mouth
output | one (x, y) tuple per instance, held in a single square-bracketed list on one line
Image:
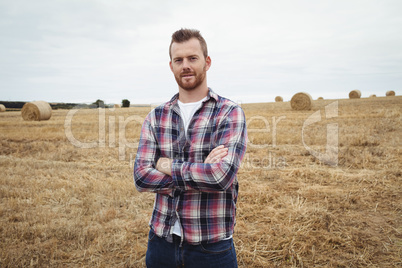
[(187, 75)]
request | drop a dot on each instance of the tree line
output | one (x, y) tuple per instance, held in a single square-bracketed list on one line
[(97, 104)]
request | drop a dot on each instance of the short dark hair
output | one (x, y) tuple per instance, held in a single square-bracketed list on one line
[(184, 35)]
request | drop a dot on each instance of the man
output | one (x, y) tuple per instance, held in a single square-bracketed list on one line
[(189, 153)]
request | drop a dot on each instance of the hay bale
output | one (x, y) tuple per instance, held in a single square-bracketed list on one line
[(2, 108), (36, 111), (116, 106), (278, 99), (373, 96), (355, 94), (301, 101), (390, 93), (320, 98)]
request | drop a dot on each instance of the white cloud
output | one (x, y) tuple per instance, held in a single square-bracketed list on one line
[(85, 50)]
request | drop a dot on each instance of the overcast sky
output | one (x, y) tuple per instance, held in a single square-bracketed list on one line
[(84, 50)]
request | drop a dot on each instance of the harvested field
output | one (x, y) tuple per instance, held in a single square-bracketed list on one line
[(63, 205)]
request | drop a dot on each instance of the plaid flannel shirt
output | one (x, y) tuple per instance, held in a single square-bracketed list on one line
[(201, 196)]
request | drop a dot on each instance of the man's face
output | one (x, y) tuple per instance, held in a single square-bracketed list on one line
[(188, 64)]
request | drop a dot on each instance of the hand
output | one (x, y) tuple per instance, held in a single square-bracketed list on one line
[(216, 155), (164, 165)]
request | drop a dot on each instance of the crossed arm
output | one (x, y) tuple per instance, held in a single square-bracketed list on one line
[(164, 184), (164, 164), (158, 174)]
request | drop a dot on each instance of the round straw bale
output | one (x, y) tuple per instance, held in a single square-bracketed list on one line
[(320, 98), (301, 101), (36, 111), (2, 108), (373, 95), (116, 106), (278, 99), (355, 94), (390, 93)]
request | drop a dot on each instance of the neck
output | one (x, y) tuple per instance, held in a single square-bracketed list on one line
[(197, 94)]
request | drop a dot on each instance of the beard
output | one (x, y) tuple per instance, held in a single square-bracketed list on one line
[(191, 85)]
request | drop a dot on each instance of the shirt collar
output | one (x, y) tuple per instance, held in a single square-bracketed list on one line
[(211, 94)]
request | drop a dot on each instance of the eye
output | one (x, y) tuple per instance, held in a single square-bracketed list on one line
[(177, 60), (193, 58)]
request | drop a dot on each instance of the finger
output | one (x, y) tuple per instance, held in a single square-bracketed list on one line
[(218, 157), (217, 154), (210, 160), (217, 148), (222, 154)]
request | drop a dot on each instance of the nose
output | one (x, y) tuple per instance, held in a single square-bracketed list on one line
[(186, 64)]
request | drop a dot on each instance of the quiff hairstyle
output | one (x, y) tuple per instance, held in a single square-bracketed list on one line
[(184, 35)]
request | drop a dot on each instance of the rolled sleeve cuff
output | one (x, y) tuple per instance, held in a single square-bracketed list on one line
[(178, 167)]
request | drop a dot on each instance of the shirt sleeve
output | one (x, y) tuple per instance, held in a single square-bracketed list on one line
[(232, 133), (146, 177)]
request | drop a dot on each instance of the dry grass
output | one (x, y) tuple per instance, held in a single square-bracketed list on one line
[(64, 206)]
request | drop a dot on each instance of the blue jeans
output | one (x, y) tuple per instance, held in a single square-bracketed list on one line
[(162, 254)]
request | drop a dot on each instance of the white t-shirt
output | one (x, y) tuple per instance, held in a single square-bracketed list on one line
[(187, 111)]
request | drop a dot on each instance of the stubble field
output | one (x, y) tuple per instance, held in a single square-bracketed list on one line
[(64, 205)]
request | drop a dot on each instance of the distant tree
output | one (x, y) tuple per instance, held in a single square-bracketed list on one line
[(99, 104), (125, 103)]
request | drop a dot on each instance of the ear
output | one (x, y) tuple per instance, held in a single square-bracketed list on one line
[(207, 63), (171, 66)]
